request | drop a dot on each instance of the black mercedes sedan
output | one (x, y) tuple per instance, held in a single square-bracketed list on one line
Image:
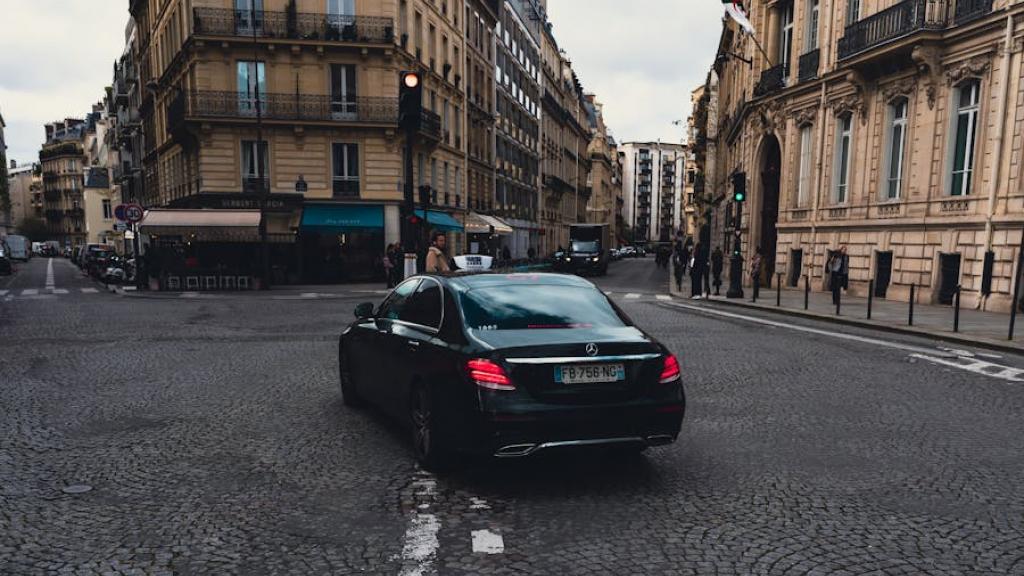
[(509, 365)]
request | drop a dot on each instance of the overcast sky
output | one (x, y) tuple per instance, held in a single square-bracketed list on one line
[(641, 57)]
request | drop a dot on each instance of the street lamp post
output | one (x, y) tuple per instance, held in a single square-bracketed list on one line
[(263, 190), (739, 195)]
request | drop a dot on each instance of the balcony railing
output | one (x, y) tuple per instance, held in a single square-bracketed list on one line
[(299, 26), (254, 185), (51, 195), (967, 10), (772, 80), (295, 107), (430, 124), (809, 65), (54, 215), (893, 23), (76, 213), (63, 149), (345, 188)]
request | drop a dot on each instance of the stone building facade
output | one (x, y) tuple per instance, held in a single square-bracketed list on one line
[(652, 187), (891, 128), (601, 179), (62, 159)]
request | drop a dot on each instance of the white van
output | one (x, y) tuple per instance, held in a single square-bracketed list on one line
[(18, 248)]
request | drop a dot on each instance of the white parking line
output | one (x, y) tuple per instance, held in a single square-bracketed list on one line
[(487, 542), (29, 292), (90, 291), (420, 548)]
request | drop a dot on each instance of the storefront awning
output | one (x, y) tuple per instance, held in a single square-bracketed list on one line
[(342, 217), (203, 225), (482, 223), (441, 221)]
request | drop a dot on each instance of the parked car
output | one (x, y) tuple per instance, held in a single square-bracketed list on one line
[(6, 268), (18, 247), (96, 258), (510, 365)]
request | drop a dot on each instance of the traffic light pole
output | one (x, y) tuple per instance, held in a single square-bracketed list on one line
[(736, 261), (408, 209)]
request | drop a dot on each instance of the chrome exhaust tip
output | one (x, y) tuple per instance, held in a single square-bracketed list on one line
[(515, 450), (660, 440)]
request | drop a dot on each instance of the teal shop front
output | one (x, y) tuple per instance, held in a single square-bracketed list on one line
[(342, 243)]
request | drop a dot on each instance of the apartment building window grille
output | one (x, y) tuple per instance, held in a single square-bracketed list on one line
[(251, 78), (895, 146), (345, 170), (804, 182), (250, 168), (844, 140), (343, 92), (964, 130)]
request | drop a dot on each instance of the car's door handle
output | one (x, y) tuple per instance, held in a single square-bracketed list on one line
[(413, 343)]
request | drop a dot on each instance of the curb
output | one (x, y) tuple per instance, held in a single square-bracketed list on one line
[(905, 330)]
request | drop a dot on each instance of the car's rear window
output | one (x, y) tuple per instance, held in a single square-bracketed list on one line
[(537, 307)]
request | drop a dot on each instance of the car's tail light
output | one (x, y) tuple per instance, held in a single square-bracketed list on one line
[(670, 370), (489, 374)]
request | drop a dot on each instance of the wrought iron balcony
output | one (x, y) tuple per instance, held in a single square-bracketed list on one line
[(295, 26), (968, 10), (772, 80), (430, 125), (75, 213), (809, 63), (54, 215), (211, 104), (345, 188), (62, 149), (896, 22), (51, 195), (254, 185)]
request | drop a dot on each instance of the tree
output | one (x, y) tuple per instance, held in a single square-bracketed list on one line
[(34, 229)]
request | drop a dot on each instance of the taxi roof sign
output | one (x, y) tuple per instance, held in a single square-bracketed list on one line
[(473, 262)]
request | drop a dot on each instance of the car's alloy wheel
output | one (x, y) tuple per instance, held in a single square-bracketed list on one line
[(424, 428)]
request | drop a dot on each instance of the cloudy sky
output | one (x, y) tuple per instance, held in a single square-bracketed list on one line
[(641, 57)]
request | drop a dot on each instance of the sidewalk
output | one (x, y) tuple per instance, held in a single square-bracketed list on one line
[(977, 328)]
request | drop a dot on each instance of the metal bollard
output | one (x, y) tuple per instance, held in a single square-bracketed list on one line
[(807, 290), (956, 310), (839, 299), (778, 289), (912, 290), (871, 295)]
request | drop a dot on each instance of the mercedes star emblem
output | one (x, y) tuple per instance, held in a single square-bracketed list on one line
[(591, 349)]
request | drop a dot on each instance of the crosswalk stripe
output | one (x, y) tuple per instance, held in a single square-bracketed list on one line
[(663, 297), (89, 291), (29, 292), (632, 296), (58, 291)]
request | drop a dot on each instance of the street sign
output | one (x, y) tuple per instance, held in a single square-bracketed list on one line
[(120, 226), (119, 212), (133, 213)]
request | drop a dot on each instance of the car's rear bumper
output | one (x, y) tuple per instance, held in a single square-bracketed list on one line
[(516, 434)]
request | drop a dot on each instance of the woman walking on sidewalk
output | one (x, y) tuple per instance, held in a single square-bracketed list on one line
[(838, 268), (755, 273)]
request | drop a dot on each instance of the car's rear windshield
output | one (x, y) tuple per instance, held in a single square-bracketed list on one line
[(537, 307)]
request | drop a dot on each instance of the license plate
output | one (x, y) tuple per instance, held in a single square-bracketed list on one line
[(589, 373)]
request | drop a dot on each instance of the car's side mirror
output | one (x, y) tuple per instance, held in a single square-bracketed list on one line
[(364, 310)]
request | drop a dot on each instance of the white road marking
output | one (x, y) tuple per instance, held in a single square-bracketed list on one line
[(89, 291), (420, 548), (49, 274), (663, 297), (190, 294), (809, 330), (309, 295), (487, 542), (978, 367), (3, 292), (29, 292), (632, 296), (58, 291)]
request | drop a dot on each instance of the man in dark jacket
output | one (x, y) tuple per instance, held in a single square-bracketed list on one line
[(716, 268), (698, 269), (838, 268)]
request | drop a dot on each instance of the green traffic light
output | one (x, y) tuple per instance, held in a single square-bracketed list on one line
[(739, 197)]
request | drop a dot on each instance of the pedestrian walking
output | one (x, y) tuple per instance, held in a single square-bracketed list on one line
[(698, 268), (437, 261), (755, 272), (716, 268), (838, 268), (686, 256), (531, 253), (389, 265), (677, 269)]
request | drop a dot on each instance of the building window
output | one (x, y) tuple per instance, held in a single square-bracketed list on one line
[(245, 10), (343, 92), (852, 11), (844, 140), (253, 164), (786, 34), (804, 182), (345, 170), (964, 132), (108, 212), (252, 84), (895, 145), (812, 25)]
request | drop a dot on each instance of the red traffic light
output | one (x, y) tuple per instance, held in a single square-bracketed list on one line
[(414, 220)]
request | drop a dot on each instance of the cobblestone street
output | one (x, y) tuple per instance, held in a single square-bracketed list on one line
[(207, 436)]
